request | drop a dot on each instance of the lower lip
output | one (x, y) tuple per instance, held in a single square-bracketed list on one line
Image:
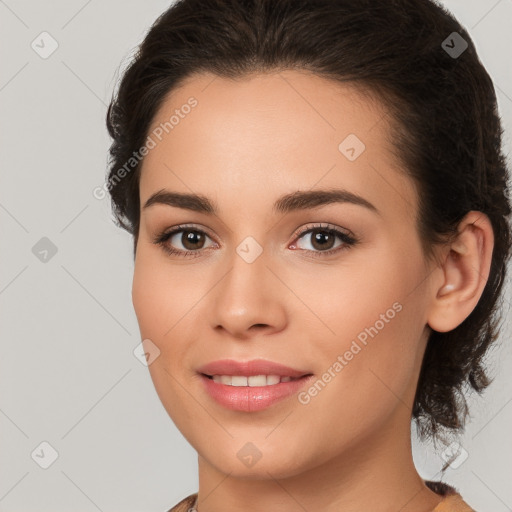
[(250, 399)]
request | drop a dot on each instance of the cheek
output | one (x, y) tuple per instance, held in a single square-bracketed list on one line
[(158, 294), (368, 373), (372, 324), (144, 295), (166, 301), (158, 308)]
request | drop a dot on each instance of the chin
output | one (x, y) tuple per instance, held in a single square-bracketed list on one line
[(246, 462)]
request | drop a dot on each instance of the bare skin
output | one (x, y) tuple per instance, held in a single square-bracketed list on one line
[(243, 146)]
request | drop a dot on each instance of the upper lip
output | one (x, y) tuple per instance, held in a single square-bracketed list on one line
[(248, 368)]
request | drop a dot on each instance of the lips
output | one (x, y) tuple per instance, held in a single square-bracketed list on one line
[(250, 368), (236, 383)]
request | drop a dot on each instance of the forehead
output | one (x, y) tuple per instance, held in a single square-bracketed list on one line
[(278, 131)]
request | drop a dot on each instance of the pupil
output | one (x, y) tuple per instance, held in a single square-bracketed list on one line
[(191, 238), (320, 238)]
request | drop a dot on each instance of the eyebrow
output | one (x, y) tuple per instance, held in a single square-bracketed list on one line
[(299, 200)]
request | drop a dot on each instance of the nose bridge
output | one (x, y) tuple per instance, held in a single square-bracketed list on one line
[(245, 282), (246, 295)]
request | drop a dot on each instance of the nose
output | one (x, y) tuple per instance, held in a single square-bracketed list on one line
[(249, 300)]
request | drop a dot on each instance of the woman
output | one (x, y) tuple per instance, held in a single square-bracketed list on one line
[(317, 195)]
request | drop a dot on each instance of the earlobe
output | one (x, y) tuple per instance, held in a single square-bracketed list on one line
[(465, 272)]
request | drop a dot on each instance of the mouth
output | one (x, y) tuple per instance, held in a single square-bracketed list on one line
[(252, 385), (252, 393)]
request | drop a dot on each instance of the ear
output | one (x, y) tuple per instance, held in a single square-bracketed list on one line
[(464, 273)]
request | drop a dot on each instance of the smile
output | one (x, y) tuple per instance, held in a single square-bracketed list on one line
[(254, 392)]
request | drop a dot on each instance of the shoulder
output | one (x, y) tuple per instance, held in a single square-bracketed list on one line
[(187, 504), (452, 501)]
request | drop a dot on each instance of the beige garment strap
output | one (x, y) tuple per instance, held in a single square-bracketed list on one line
[(453, 503), (186, 505)]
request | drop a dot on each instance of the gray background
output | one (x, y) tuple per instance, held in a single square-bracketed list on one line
[(68, 375)]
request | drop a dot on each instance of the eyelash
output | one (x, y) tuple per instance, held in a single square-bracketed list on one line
[(348, 240)]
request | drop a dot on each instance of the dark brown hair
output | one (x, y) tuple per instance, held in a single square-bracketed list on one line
[(446, 130)]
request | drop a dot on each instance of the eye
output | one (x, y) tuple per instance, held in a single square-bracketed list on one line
[(191, 239), (324, 238)]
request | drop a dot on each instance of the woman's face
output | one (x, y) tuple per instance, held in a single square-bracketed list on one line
[(263, 279)]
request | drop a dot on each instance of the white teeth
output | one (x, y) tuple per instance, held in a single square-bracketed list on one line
[(257, 380), (273, 379), (252, 381), (224, 379), (238, 380)]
